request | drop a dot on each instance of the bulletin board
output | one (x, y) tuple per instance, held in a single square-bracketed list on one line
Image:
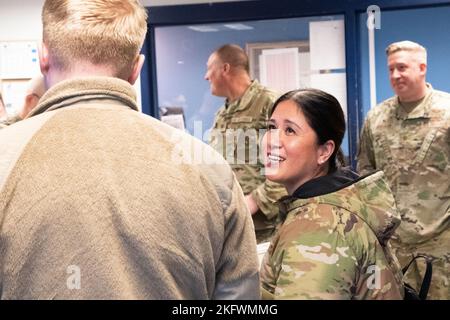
[(18, 59), (19, 62)]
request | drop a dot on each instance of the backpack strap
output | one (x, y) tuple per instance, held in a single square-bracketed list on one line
[(425, 286)]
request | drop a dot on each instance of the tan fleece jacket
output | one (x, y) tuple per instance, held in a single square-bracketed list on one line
[(98, 201)]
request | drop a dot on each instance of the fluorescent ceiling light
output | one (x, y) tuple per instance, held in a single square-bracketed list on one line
[(203, 28), (238, 26)]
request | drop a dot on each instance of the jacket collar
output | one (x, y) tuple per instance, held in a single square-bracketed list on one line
[(243, 101), (333, 182), (330, 183), (421, 111), (78, 90), (369, 197)]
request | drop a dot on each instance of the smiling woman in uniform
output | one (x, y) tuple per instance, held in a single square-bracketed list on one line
[(333, 240)]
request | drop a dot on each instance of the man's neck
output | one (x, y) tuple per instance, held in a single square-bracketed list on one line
[(238, 86), (56, 75), (410, 104), (416, 95)]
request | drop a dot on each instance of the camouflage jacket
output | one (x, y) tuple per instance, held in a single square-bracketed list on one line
[(335, 246), (413, 150), (237, 129)]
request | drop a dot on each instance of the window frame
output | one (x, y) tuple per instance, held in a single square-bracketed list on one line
[(177, 15)]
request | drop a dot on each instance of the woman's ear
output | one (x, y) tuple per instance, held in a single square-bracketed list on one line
[(325, 151)]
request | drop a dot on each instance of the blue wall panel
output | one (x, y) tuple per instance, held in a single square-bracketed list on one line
[(427, 26)]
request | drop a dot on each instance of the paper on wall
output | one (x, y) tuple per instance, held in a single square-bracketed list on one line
[(327, 44), (18, 59), (333, 83), (279, 69)]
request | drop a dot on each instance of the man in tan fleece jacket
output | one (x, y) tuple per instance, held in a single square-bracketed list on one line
[(98, 201)]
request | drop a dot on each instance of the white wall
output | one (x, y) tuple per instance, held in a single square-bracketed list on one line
[(20, 19)]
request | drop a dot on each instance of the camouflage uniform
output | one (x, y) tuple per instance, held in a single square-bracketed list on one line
[(236, 132), (335, 246), (413, 150)]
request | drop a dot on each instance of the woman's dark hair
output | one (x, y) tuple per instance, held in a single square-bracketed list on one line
[(324, 115)]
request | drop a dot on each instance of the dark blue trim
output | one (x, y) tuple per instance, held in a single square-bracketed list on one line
[(146, 79), (149, 79), (354, 110), (239, 11), (270, 9)]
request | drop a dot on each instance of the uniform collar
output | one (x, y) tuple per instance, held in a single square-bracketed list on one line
[(421, 111), (243, 101), (368, 197), (73, 91), (333, 182)]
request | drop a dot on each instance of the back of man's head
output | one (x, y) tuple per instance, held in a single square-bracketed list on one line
[(234, 55), (409, 46), (99, 32)]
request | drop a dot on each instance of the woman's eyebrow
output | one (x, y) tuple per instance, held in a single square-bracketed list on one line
[(293, 123)]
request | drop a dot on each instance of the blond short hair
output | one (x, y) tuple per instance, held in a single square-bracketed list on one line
[(421, 52), (102, 32)]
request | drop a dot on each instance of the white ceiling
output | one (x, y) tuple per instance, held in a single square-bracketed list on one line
[(149, 3)]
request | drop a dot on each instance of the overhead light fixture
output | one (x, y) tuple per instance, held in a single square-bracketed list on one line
[(203, 28), (238, 26)]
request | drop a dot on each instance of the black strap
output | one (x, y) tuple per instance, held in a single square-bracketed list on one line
[(425, 286)]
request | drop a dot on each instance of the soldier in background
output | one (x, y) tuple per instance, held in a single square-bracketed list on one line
[(35, 90), (3, 113), (333, 243), (242, 118), (408, 137)]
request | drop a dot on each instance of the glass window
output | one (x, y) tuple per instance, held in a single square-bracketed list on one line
[(304, 52)]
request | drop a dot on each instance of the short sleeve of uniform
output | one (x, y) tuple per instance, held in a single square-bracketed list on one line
[(266, 196), (366, 154)]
